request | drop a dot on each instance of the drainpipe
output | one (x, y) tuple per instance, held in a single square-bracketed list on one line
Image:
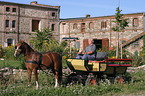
[(18, 23), (69, 40), (59, 26)]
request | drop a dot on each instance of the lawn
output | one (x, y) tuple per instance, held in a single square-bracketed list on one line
[(17, 85)]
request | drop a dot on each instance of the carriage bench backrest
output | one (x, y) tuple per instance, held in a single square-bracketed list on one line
[(121, 62), (101, 55)]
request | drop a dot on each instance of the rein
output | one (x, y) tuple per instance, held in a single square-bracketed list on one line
[(39, 63)]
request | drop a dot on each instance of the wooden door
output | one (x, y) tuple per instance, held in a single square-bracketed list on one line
[(85, 43), (105, 44)]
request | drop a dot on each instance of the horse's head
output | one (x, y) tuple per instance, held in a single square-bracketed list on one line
[(19, 48)]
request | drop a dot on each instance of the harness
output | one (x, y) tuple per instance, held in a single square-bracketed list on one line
[(39, 63)]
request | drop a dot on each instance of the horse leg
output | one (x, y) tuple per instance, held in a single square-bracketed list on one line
[(29, 76), (36, 77), (58, 79)]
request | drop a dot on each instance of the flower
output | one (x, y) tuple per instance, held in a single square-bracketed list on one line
[(64, 57), (113, 57)]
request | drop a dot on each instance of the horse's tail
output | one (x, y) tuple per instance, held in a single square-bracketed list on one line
[(58, 66), (60, 69)]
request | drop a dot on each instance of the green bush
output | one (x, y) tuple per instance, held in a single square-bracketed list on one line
[(9, 56), (1, 51), (54, 46), (9, 52)]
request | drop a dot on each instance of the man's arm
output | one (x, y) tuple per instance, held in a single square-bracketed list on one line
[(93, 49), (90, 52)]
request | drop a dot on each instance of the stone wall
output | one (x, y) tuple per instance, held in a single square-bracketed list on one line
[(23, 16), (66, 29)]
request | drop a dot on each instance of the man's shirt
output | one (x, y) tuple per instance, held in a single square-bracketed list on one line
[(91, 48)]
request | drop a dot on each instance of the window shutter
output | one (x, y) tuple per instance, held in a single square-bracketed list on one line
[(77, 44), (85, 43), (35, 25), (105, 44)]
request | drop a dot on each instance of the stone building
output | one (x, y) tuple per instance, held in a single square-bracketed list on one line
[(100, 29), (18, 21)]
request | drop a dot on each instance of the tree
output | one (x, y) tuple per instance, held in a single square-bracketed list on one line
[(40, 37), (121, 24)]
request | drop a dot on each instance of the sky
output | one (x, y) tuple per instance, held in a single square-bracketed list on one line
[(95, 8)]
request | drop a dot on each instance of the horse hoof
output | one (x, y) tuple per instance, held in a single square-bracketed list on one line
[(29, 85), (36, 88), (55, 86)]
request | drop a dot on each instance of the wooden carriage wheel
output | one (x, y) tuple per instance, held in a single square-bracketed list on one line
[(91, 81), (104, 82), (118, 80), (73, 78)]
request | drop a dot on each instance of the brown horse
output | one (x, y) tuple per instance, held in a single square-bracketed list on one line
[(35, 60)]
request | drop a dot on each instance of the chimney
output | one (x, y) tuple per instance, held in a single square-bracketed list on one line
[(88, 16), (34, 3)]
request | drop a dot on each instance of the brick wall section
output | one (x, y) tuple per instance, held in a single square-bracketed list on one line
[(24, 15), (66, 29)]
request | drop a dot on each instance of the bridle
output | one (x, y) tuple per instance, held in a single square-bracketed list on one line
[(20, 49)]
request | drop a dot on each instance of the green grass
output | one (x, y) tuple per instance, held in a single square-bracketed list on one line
[(12, 64), (19, 64), (17, 85)]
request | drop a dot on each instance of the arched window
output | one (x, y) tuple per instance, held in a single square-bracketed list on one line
[(53, 27), (91, 25), (9, 42), (75, 26), (83, 27), (103, 24), (135, 22)]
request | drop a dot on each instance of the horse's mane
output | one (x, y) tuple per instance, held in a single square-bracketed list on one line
[(28, 46)]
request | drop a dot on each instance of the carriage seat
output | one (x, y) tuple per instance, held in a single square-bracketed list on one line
[(101, 56)]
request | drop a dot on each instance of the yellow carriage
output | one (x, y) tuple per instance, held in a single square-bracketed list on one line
[(101, 69)]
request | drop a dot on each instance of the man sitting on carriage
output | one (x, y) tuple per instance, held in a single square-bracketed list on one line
[(89, 52)]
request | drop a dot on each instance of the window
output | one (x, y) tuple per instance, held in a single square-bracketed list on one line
[(135, 22), (77, 44), (53, 27), (103, 24), (83, 27), (9, 42), (75, 26), (13, 24), (14, 10), (35, 25), (91, 25), (135, 44), (7, 23), (64, 27), (53, 14), (8, 9), (123, 41)]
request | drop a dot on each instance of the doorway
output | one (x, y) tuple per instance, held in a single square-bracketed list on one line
[(9, 42), (98, 43)]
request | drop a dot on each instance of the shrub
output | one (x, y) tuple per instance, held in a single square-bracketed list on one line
[(9, 52), (9, 55), (41, 37), (1, 51), (54, 46)]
